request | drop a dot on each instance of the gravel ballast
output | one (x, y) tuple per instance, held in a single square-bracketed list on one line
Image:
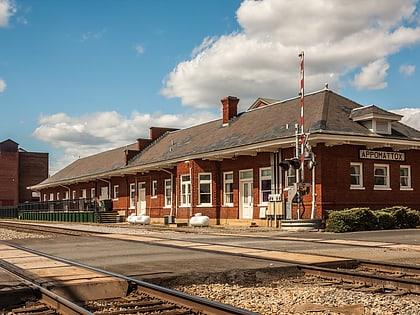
[(290, 295)]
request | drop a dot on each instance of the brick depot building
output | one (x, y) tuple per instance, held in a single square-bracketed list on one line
[(227, 168), (18, 170)]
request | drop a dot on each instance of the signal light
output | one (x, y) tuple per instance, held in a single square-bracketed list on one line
[(285, 165), (295, 163)]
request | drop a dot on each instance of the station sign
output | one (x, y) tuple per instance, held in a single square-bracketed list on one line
[(382, 155)]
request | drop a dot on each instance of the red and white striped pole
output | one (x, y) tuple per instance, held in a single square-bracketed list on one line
[(302, 117)]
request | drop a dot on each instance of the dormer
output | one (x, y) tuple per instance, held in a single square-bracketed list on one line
[(375, 119)]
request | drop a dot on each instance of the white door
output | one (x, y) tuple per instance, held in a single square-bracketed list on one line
[(104, 193), (246, 200), (141, 204)]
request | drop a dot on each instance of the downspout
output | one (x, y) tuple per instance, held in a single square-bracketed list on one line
[(313, 190), (191, 183), (66, 187)]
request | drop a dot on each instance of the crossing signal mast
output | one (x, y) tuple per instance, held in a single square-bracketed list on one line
[(303, 156)]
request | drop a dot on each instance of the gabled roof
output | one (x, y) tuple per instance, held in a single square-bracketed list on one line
[(261, 101), (373, 112), (264, 128), (92, 166)]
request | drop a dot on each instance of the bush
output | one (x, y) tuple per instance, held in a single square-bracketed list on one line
[(350, 220), (385, 220), (364, 219), (405, 218)]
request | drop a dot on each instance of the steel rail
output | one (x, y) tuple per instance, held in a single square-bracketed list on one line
[(390, 267), (208, 307), (60, 304), (409, 285)]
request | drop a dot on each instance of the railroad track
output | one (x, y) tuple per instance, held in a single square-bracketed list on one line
[(377, 276), (39, 301), (141, 297)]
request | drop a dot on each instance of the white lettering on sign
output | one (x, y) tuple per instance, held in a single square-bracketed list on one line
[(382, 155)]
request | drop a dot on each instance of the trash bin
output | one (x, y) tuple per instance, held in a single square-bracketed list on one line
[(166, 219)]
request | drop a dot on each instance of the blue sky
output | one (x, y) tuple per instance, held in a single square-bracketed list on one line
[(78, 77)]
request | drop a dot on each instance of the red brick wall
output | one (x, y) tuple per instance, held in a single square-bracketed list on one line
[(334, 164), (33, 169), (9, 178)]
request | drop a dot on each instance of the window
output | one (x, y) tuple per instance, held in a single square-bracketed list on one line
[(356, 175), (265, 184), (290, 177), (83, 193), (73, 194), (228, 188), (405, 177), (154, 189), (116, 191), (381, 176), (204, 183), (51, 196), (132, 196), (245, 174), (185, 190), (58, 196), (45, 197), (92, 193), (66, 195), (168, 192)]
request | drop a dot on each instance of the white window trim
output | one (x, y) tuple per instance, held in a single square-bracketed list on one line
[(288, 177), (154, 194), (205, 181), (361, 185), (266, 177), (409, 187), (92, 192), (188, 184), (166, 196), (229, 181), (388, 179), (132, 191), (116, 188)]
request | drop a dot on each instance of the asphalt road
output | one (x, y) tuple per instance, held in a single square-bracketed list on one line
[(153, 262)]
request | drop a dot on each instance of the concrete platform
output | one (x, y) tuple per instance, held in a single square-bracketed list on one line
[(75, 283)]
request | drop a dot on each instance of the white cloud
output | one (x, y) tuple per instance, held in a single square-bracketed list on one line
[(340, 38), (80, 136), (372, 76), (411, 116), (7, 9), (2, 85), (139, 49), (88, 36), (407, 70)]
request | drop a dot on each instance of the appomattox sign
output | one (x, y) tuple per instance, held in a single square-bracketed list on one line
[(381, 155)]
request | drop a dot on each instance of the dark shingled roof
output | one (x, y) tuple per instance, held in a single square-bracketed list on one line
[(326, 113), (92, 165)]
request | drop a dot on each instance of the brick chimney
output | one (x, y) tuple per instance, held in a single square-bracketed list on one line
[(230, 108)]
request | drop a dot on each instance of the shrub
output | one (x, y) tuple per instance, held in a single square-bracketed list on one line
[(405, 218), (350, 220), (385, 220), (364, 219)]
